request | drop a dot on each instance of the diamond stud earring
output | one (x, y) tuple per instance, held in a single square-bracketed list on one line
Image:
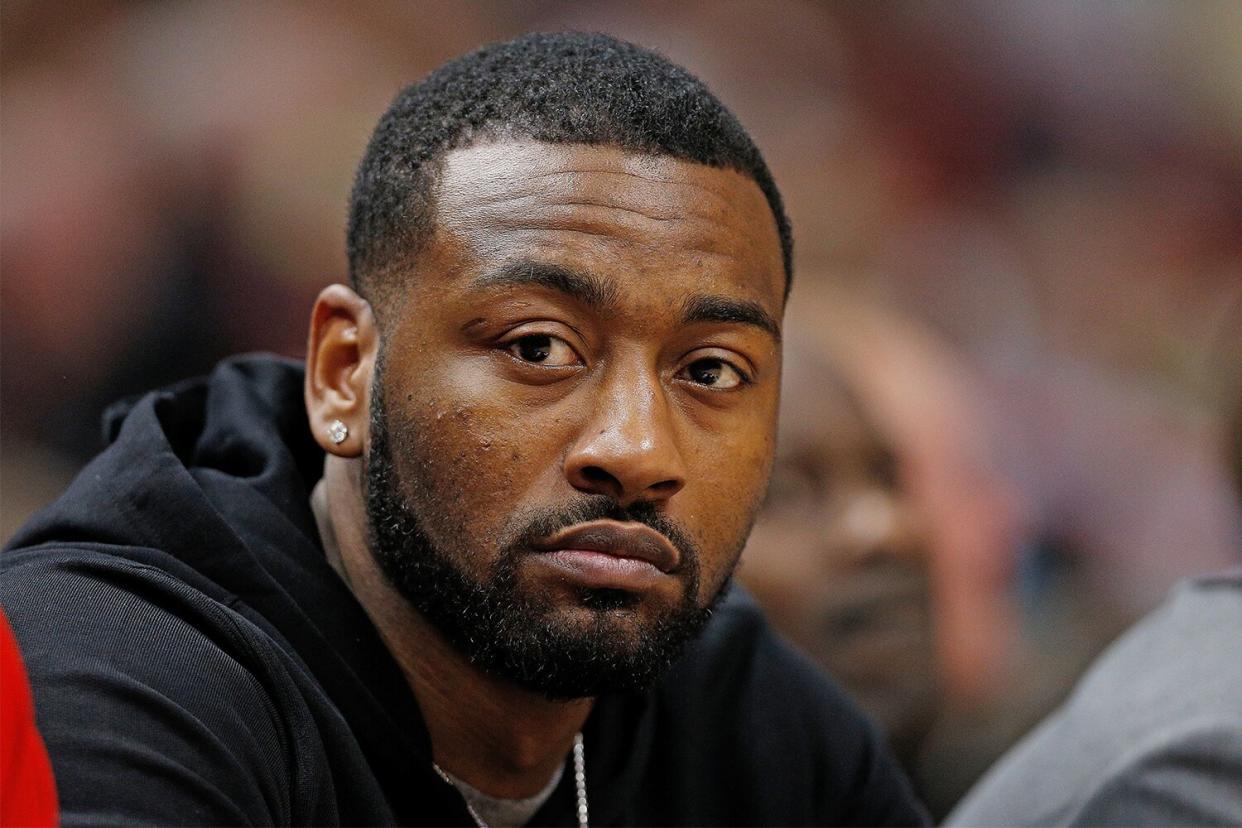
[(337, 432)]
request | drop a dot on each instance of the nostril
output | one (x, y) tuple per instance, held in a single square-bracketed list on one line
[(596, 475), (599, 481), (666, 487)]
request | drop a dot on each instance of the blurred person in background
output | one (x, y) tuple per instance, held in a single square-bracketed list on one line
[(1152, 735), (882, 499), (888, 450), (839, 556)]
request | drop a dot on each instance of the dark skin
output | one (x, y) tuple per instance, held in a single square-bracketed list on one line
[(583, 320)]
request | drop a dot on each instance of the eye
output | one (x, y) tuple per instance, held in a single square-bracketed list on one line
[(543, 349), (714, 373)]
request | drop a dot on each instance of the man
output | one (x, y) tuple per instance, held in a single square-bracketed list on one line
[(838, 556), (548, 407), (1152, 735)]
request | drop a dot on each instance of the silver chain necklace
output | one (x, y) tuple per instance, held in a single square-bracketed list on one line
[(579, 783)]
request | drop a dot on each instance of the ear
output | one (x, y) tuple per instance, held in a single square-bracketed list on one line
[(340, 358)]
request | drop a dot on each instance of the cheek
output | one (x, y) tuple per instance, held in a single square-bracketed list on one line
[(730, 478), (468, 460)]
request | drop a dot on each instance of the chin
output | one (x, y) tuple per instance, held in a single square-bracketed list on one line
[(606, 641)]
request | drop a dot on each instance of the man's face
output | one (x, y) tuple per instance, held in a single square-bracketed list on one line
[(574, 421)]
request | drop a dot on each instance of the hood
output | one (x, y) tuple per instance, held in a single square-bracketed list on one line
[(155, 482), (210, 481)]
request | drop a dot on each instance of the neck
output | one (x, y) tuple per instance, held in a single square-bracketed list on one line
[(500, 738)]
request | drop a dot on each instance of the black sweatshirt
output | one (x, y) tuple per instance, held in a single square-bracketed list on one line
[(195, 659)]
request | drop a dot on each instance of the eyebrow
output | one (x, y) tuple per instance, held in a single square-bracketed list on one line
[(587, 288), (601, 295), (707, 308)]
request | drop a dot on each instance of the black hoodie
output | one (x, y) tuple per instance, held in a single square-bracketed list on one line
[(196, 660)]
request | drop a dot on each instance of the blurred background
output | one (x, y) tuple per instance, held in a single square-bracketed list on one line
[(1015, 339)]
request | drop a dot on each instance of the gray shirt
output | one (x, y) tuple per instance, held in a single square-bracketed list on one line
[(499, 812), (1152, 735)]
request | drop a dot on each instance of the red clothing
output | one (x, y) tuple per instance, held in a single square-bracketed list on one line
[(27, 790)]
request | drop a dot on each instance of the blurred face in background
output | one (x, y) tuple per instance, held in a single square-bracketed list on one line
[(837, 557)]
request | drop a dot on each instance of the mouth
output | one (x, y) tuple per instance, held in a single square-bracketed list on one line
[(611, 555)]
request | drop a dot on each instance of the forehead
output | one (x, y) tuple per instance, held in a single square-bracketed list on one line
[(818, 410), (612, 211)]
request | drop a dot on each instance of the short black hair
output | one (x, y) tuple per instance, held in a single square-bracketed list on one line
[(565, 87)]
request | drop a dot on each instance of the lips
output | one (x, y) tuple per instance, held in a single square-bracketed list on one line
[(621, 540)]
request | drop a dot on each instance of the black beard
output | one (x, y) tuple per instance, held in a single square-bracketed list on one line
[(505, 631)]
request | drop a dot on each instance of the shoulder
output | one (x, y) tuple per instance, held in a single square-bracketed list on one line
[(1160, 704), (741, 663), (119, 607), (1171, 685), (783, 726), (1181, 662), (1067, 773), (141, 679), (1190, 775)]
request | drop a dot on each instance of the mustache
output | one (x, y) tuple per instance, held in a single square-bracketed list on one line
[(542, 523)]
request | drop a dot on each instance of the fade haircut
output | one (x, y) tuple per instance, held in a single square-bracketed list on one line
[(556, 88)]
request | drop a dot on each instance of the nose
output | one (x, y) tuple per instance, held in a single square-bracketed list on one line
[(875, 523), (628, 448)]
